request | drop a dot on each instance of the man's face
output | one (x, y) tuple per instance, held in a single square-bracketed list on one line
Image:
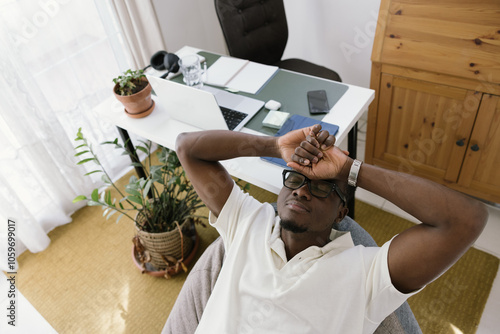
[(302, 212)]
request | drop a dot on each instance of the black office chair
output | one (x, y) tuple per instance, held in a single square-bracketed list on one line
[(257, 30)]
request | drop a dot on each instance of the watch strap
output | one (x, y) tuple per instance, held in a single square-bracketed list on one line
[(353, 173)]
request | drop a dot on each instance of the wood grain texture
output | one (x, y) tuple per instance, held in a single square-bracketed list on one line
[(436, 66), (481, 167), (459, 38), (420, 122)]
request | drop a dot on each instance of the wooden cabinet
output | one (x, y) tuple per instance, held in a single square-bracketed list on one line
[(480, 174), (436, 73)]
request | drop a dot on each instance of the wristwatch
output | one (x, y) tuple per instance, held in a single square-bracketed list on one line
[(353, 173)]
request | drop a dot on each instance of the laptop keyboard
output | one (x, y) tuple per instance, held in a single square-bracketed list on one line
[(232, 117)]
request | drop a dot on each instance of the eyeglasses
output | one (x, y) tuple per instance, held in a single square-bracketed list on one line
[(318, 188)]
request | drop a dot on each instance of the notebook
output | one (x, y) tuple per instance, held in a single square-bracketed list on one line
[(206, 108), (298, 122), (242, 75)]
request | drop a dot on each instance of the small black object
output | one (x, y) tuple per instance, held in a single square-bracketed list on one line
[(162, 60), (158, 59), (318, 102), (171, 62)]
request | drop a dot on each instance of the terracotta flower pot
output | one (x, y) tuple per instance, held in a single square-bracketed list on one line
[(139, 104)]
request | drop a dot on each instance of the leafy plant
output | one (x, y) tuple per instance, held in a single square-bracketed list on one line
[(172, 198), (130, 82)]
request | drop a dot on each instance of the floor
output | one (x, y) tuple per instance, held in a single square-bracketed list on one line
[(30, 321)]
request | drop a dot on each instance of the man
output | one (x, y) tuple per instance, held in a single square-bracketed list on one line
[(293, 273)]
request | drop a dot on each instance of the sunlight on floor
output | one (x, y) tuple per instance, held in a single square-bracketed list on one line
[(112, 317), (456, 330)]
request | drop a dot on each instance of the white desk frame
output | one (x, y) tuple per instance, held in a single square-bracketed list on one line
[(160, 128)]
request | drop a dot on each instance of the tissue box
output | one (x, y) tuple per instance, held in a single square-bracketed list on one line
[(275, 119)]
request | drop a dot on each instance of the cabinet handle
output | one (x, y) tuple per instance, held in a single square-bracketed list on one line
[(461, 142), (474, 147)]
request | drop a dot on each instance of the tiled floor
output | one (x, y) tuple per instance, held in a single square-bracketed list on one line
[(30, 321), (488, 241)]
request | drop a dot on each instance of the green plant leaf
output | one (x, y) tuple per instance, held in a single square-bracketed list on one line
[(146, 188), (119, 217), (85, 160), (79, 198), (93, 203), (80, 153), (110, 214), (108, 198), (142, 148), (133, 191), (135, 199), (82, 145), (114, 142), (147, 144), (95, 195), (105, 179), (94, 171)]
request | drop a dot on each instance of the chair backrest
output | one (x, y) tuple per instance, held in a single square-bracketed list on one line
[(254, 29)]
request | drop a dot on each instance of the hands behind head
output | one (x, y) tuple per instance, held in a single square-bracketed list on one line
[(312, 152)]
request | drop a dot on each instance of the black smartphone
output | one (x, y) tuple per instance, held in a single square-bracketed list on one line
[(318, 102)]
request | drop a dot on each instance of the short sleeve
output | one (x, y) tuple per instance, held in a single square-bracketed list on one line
[(382, 297), (232, 217)]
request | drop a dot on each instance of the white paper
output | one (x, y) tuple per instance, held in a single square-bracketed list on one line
[(252, 77), (224, 70), (239, 74)]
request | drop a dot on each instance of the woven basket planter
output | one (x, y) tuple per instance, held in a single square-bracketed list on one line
[(165, 245)]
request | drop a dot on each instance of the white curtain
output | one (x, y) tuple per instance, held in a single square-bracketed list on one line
[(57, 61), (142, 32)]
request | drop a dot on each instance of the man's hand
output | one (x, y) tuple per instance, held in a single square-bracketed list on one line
[(314, 153)]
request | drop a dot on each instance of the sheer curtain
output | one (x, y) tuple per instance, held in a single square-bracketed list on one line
[(57, 59), (141, 29)]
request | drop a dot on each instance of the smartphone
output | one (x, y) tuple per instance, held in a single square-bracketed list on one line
[(318, 102)]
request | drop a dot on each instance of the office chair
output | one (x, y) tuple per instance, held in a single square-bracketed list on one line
[(258, 31)]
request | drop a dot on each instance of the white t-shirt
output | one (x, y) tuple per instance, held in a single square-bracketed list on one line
[(338, 288)]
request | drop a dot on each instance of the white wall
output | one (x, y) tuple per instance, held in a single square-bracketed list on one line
[(335, 34), (190, 22)]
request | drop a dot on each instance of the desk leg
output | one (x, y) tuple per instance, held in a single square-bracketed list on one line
[(352, 143), (133, 156)]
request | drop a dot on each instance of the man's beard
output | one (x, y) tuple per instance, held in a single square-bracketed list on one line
[(291, 226)]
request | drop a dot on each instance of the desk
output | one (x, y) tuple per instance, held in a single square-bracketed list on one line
[(160, 128)]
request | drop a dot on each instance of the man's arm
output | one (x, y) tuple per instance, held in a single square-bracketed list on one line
[(200, 153), (451, 221)]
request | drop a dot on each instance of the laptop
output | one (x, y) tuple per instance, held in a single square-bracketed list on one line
[(207, 108)]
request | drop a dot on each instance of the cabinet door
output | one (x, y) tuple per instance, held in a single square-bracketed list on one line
[(481, 170), (423, 128)]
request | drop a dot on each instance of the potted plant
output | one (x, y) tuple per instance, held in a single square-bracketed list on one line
[(162, 206), (133, 90)]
